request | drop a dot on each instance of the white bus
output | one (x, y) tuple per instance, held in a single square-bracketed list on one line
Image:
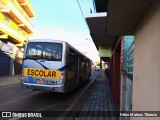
[(52, 65)]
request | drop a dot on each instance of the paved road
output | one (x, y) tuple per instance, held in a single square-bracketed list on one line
[(13, 98)]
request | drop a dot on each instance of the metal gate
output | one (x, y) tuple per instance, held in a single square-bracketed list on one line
[(129, 80), (4, 63)]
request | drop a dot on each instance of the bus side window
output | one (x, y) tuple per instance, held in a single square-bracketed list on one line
[(72, 60)]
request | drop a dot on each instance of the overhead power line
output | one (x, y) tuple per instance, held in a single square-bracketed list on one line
[(83, 15), (80, 9)]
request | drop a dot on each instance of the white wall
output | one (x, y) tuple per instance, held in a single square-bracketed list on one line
[(146, 82)]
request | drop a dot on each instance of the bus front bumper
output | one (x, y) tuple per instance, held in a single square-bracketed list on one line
[(53, 88)]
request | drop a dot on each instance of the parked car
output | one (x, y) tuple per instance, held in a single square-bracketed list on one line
[(97, 68)]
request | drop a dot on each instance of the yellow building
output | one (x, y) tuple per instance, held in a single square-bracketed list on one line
[(15, 27)]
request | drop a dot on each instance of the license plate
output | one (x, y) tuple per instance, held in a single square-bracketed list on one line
[(40, 81), (41, 73)]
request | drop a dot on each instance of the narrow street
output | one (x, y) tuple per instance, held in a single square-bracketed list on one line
[(12, 94), (15, 99)]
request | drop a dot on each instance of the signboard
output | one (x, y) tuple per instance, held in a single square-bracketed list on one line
[(41, 73), (5, 47), (105, 51)]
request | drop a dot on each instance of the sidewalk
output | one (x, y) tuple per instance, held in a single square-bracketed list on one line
[(100, 104), (9, 80)]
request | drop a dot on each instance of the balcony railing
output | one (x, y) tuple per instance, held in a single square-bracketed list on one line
[(18, 15), (27, 7), (8, 27)]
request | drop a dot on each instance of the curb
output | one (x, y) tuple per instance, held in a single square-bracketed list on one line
[(9, 80)]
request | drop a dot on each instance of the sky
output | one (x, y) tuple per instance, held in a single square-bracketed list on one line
[(63, 20)]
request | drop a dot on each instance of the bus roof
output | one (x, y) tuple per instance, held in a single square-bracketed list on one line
[(45, 40)]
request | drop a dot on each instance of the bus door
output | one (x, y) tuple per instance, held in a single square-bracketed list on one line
[(72, 71)]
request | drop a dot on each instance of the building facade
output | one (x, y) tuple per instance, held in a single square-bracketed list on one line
[(15, 27), (136, 85)]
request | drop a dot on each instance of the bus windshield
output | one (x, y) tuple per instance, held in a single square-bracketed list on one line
[(44, 50)]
